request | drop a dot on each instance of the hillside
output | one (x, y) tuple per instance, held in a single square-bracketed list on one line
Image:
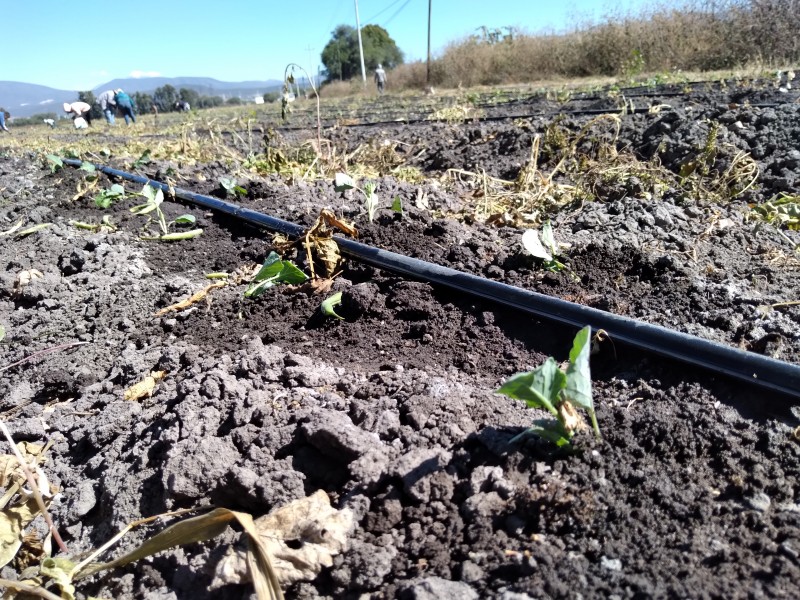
[(26, 99)]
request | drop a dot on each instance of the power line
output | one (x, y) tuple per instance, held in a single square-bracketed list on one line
[(371, 19), (397, 12)]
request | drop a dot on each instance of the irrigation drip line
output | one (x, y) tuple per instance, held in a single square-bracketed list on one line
[(755, 369)]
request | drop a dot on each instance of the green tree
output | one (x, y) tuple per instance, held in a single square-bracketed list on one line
[(142, 101), (165, 98), (340, 55), (209, 102), (379, 48), (190, 96)]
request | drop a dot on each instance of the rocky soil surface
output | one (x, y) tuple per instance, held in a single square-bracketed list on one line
[(691, 492)]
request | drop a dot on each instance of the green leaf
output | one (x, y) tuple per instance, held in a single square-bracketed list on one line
[(539, 388), (547, 429), (271, 267), (144, 159), (154, 194), (272, 272), (227, 184), (329, 303), (397, 205), (87, 166), (2, 333), (185, 220), (106, 197), (55, 162), (579, 377), (343, 182)]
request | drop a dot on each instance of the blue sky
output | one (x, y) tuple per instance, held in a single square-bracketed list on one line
[(80, 46)]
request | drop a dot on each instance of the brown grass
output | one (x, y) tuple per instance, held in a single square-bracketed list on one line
[(698, 35)]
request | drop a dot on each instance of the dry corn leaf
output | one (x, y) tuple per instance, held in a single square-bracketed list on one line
[(13, 521), (312, 286), (301, 538), (193, 299), (144, 388), (320, 239), (13, 229), (198, 529)]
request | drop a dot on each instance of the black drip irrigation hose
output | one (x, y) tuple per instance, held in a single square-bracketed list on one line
[(756, 369)]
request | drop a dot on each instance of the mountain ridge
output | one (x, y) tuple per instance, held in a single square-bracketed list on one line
[(26, 99)]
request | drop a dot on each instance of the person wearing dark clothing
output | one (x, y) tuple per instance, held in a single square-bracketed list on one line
[(125, 106)]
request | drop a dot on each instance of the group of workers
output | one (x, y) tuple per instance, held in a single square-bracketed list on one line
[(110, 101)]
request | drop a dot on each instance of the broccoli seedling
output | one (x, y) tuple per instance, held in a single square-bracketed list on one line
[(558, 392), (155, 197), (272, 272), (344, 182)]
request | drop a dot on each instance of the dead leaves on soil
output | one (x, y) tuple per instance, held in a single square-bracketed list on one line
[(301, 539), (192, 300), (293, 543), (18, 506), (145, 387), (319, 244)]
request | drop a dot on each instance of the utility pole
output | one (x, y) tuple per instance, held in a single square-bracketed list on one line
[(428, 71), (360, 47)]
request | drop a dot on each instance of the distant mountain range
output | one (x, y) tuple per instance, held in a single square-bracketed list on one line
[(26, 99)]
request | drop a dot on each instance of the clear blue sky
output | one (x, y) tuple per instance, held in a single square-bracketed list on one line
[(77, 46)]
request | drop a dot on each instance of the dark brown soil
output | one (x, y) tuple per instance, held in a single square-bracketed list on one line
[(692, 491)]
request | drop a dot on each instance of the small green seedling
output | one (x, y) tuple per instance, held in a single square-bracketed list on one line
[(343, 182), (55, 162), (143, 160), (783, 209), (328, 305), (544, 249), (89, 168), (155, 197), (2, 333), (106, 197), (272, 272), (558, 392), (231, 187), (397, 205)]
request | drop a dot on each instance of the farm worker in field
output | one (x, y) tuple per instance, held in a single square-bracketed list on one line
[(125, 106), (80, 113), (380, 78), (3, 116), (108, 105), (50, 122)]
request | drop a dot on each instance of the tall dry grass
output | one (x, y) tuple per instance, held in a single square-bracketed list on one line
[(697, 35)]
